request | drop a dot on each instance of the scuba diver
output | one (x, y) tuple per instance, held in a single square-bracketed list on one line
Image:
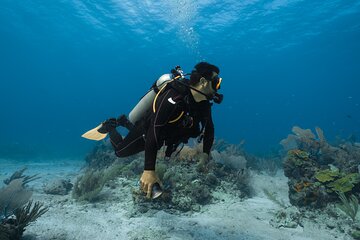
[(174, 110)]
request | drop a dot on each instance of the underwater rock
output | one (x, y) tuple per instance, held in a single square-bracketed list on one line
[(199, 192), (88, 186), (101, 156), (317, 171), (298, 164), (58, 187), (311, 184), (287, 218), (211, 179), (186, 189), (183, 203)]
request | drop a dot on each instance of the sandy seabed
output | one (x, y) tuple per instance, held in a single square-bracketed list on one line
[(228, 217)]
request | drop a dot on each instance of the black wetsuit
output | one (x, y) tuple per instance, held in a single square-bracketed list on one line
[(176, 119)]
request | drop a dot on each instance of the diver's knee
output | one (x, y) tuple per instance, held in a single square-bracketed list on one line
[(120, 153)]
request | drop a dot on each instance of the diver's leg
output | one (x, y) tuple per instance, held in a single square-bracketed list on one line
[(133, 143), (115, 138), (123, 121)]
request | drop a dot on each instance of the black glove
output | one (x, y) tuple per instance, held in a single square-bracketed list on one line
[(108, 125)]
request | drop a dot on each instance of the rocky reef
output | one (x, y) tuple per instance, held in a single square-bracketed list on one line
[(187, 181), (317, 171)]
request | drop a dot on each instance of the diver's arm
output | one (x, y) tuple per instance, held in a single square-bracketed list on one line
[(167, 104), (150, 150), (209, 129)]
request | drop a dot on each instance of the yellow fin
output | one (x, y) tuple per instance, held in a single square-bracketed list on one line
[(94, 134)]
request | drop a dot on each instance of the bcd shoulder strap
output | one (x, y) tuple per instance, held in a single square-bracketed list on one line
[(173, 85)]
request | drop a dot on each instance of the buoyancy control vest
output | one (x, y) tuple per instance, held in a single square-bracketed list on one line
[(145, 106)]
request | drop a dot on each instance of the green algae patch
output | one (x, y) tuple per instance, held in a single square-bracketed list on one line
[(327, 175)]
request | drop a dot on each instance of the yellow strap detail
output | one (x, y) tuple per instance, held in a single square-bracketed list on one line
[(154, 102), (176, 119)]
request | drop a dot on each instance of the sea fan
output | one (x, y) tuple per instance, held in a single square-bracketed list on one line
[(19, 175), (29, 213), (12, 197), (13, 228)]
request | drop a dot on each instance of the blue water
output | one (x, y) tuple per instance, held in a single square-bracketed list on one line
[(67, 65)]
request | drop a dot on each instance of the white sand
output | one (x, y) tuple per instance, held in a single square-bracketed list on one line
[(227, 218)]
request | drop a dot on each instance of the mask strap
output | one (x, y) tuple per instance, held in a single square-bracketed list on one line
[(207, 97)]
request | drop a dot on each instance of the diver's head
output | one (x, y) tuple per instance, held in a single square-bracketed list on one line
[(205, 78)]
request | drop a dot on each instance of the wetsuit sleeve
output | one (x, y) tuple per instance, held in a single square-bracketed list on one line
[(209, 128), (166, 106)]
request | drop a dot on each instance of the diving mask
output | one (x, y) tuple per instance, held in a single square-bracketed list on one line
[(216, 82)]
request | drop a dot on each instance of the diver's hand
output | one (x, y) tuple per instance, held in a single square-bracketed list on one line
[(147, 181), (108, 125)]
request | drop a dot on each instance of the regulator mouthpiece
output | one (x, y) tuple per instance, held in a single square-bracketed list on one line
[(218, 98)]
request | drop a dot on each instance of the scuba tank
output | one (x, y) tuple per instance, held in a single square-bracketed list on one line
[(143, 108)]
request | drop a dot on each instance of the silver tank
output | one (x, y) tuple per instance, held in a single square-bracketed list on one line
[(145, 104)]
